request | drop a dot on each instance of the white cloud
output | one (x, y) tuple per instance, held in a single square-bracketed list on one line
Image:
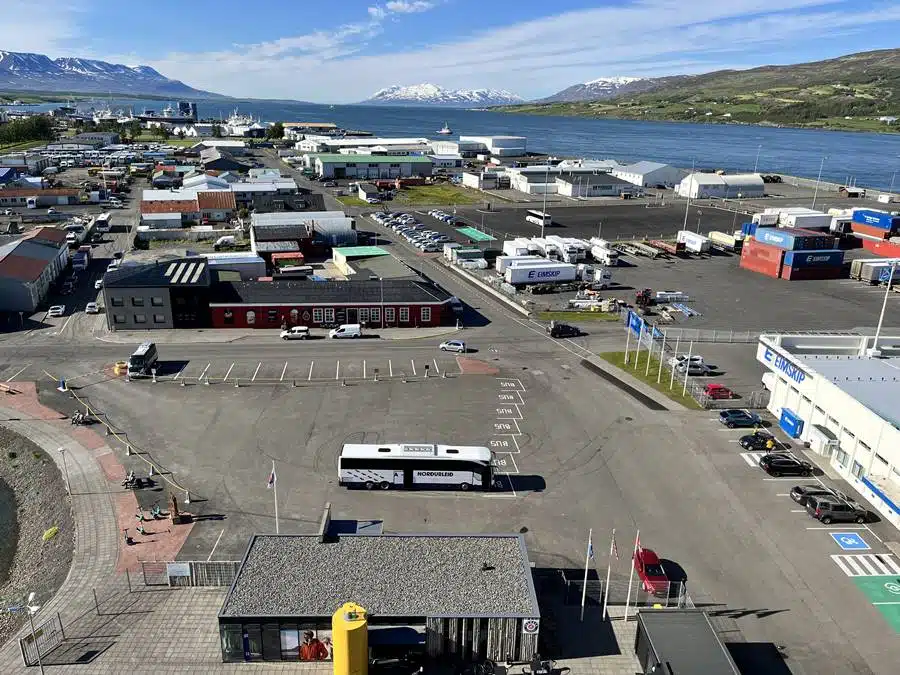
[(642, 37), (406, 7), (50, 29)]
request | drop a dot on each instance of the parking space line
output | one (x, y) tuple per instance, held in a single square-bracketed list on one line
[(798, 510), (791, 478), (390, 368), (311, 364), (227, 373), (513, 458), (838, 528), (181, 372), (872, 532), (782, 494), (364, 369), (413, 363), (436, 369), (337, 370), (200, 376), (283, 371), (256, 372), (18, 372)]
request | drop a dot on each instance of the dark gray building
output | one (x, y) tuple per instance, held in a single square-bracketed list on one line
[(213, 159), (680, 642), (161, 294), (96, 138), (435, 594)]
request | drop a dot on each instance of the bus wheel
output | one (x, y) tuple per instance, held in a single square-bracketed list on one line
[(464, 487), (369, 485), (384, 485)]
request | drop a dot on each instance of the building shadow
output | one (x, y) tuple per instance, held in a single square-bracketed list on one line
[(758, 657)]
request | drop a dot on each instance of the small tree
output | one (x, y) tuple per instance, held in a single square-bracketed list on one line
[(181, 134), (217, 131), (134, 129), (275, 131)]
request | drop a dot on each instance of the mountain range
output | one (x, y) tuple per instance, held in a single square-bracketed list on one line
[(24, 72), (602, 89), (427, 94)]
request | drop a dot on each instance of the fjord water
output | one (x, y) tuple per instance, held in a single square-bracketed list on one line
[(868, 159)]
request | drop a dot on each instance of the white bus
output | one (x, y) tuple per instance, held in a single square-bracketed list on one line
[(538, 218), (102, 224), (143, 359), (415, 465)]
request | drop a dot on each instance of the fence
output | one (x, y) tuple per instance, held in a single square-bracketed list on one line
[(712, 335), (46, 637), (661, 595), (189, 573)]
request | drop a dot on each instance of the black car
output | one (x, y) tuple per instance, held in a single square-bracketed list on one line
[(783, 464), (562, 330), (756, 441), (836, 510), (803, 493), (733, 417)]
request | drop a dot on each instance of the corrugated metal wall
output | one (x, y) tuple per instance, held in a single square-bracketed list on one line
[(463, 637)]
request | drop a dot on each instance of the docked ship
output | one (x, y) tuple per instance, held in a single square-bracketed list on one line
[(184, 114)]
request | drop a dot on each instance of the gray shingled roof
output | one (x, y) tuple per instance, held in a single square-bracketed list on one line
[(389, 575)]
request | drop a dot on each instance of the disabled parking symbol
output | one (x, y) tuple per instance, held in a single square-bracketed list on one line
[(849, 541)]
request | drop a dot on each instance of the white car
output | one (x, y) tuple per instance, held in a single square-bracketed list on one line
[(457, 346), (92, 308), (696, 360), (295, 333), (372, 200), (56, 310), (98, 284)]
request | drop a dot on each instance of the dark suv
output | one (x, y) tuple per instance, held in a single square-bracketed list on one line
[(562, 330), (783, 464), (835, 511)]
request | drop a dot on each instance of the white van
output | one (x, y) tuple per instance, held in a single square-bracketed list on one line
[(347, 330)]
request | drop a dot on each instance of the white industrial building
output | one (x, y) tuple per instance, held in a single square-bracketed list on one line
[(735, 186), (446, 161), (501, 146), (831, 392), (370, 166), (329, 144), (649, 174), (540, 179), (598, 165), (582, 186)]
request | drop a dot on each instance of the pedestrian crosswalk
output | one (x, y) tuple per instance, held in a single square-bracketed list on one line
[(867, 564), (752, 458)]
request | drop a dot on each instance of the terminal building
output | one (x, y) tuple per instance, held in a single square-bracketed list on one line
[(444, 596), (712, 185), (839, 395)]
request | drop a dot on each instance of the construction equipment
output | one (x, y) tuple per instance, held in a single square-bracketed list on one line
[(644, 298)]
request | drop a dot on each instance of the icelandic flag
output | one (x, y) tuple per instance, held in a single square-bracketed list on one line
[(270, 483), (590, 550)]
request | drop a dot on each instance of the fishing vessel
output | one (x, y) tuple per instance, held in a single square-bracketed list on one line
[(445, 130)]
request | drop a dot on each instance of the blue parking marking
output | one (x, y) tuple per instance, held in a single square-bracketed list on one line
[(849, 541)]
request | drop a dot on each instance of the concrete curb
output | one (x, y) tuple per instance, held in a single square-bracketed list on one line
[(484, 287)]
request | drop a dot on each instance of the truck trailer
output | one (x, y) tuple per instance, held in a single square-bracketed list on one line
[(540, 274)]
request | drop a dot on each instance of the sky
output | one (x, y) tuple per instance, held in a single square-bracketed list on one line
[(343, 51)]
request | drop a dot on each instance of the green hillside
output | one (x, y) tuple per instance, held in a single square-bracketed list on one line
[(849, 92)]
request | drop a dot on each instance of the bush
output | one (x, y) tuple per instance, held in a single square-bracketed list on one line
[(11, 454)]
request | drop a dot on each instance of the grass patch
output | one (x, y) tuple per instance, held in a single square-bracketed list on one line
[(437, 195), (26, 145), (618, 360), (173, 140), (578, 316), (349, 200)]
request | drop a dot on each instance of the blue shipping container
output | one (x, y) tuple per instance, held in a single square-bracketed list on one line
[(748, 229), (880, 219), (794, 239), (791, 423), (833, 258)]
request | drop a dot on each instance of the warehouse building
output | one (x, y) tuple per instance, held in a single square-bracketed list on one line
[(161, 294), (712, 185), (501, 146), (839, 396), (29, 266), (680, 641), (232, 147), (379, 303), (330, 144), (594, 185), (370, 166), (314, 233), (446, 596), (650, 174)]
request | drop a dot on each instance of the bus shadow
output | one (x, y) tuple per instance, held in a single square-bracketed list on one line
[(166, 368), (518, 482)]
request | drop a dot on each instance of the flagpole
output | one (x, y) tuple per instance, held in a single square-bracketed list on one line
[(649, 354), (627, 338), (637, 539), (637, 352), (687, 368), (275, 496), (675, 356), (662, 355), (608, 572), (587, 560)]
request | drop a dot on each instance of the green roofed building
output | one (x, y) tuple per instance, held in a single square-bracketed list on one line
[(371, 167)]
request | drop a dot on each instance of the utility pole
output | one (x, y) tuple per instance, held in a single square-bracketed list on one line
[(818, 178)]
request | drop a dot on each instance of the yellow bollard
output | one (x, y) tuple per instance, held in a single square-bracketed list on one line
[(350, 638)]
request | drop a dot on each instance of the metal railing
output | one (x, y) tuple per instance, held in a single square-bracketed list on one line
[(46, 637), (189, 573)]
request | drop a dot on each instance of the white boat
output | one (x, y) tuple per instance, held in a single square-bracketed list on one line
[(445, 130)]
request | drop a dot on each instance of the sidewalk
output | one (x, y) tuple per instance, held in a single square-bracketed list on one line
[(261, 335)]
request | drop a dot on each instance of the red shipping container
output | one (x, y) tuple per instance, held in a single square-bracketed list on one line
[(755, 249), (810, 273), (771, 268), (870, 230), (885, 249)]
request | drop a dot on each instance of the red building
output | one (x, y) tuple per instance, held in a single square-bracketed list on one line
[(392, 303)]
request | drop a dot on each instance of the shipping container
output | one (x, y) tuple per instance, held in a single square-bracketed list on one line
[(755, 249), (765, 218), (807, 220), (810, 273), (466, 254), (724, 241), (770, 268), (794, 239), (693, 242), (514, 247), (857, 265), (748, 229), (540, 274), (870, 231), (449, 247), (879, 219), (883, 248), (834, 258), (505, 261)]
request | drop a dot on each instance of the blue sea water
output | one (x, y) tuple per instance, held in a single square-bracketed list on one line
[(868, 159)]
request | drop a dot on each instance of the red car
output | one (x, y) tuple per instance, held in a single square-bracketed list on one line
[(653, 577), (718, 391)]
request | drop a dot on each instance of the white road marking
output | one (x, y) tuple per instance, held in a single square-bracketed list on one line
[(872, 532), (364, 369), (867, 564), (793, 478), (311, 364), (183, 368), (838, 528), (200, 377), (782, 494), (413, 363), (18, 372), (59, 332), (227, 373), (436, 369), (798, 510), (256, 372), (752, 458), (390, 368), (513, 458), (216, 545), (283, 371), (337, 370)]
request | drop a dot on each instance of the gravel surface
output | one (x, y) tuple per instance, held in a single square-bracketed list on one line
[(33, 499), (405, 575)]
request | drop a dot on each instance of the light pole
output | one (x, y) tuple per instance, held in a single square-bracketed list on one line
[(31, 609), (887, 291), (756, 163), (818, 178), (381, 284), (62, 451), (544, 207), (688, 203), (893, 176)]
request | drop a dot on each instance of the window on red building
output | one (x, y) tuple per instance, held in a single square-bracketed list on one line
[(251, 317), (404, 315), (425, 315)]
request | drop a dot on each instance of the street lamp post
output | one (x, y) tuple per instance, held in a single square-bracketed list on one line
[(62, 451), (31, 609), (883, 307), (688, 203), (893, 176), (544, 207), (756, 163), (381, 284), (818, 178)]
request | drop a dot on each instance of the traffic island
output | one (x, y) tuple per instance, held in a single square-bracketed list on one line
[(637, 368)]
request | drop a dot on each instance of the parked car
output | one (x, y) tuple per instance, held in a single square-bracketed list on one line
[(758, 441), (295, 333), (372, 200), (693, 369), (457, 346), (92, 308), (681, 358), (803, 493), (718, 391), (329, 183), (733, 418), (8, 212), (52, 211), (778, 464), (558, 329), (347, 330), (650, 572), (833, 510), (56, 310)]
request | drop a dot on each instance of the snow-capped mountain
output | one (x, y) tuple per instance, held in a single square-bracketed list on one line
[(601, 89), (433, 95), (36, 72)]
